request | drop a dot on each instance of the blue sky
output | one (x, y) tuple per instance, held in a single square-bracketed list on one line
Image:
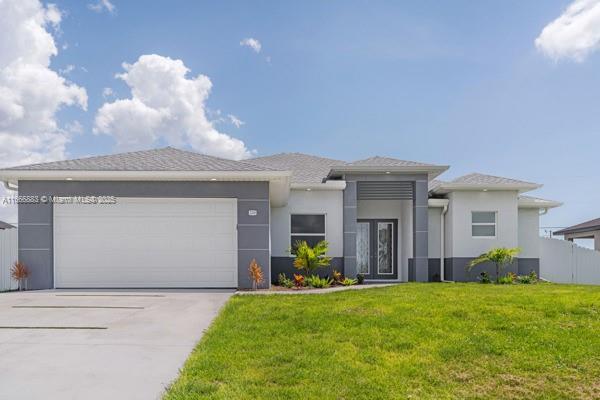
[(459, 83)]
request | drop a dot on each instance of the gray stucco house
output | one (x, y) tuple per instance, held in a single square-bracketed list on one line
[(175, 218)]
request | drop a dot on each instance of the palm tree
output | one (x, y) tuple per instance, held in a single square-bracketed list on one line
[(500, 256)]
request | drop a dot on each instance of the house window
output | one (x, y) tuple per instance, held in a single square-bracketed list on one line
[(483, 224), (307, 227)]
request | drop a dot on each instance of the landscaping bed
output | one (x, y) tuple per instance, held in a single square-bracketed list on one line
[(415, 340)]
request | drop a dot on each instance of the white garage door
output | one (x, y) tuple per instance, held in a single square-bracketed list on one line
[(150, 243)]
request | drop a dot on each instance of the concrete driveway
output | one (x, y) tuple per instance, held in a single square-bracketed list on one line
[(99, 344)]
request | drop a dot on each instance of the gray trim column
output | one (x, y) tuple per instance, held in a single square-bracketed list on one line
[(350, 217), (420, 231)]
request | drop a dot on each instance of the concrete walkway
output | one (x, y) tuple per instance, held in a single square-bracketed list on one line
[(316, 291), (99, 344)]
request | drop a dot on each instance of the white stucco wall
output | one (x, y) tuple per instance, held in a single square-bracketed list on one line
[(529, 228), (458, 221), (328, 202), (400, 210)]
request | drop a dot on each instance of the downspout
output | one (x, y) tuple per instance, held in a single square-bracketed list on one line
[(442, 242)]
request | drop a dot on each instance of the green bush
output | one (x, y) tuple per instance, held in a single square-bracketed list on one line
[(528, 279), (317, 282), (285, 281), (348, 282), (360, 278), (507, 279), (484, 277)]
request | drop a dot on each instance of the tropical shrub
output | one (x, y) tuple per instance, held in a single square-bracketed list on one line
[(19, 272), (309, 259), (318, 282), (337, 276), (284, 281), (528, 279), (484, 277), (299, 280), (349, 282), (256, 274), (499, 256), (506, 279)]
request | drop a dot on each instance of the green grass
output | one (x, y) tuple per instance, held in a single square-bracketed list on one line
[(436, 341)]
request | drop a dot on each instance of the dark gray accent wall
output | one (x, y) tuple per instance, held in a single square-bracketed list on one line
[(526, 265), (350, 217), (35, 220), (456, 268), (420, 229), (420, 196), (286, 265)]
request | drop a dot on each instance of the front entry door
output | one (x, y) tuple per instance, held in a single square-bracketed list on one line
[(376, 252)]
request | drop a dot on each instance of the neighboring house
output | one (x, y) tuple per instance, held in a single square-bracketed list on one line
[(4, 225), (585, 230), (183, 219)]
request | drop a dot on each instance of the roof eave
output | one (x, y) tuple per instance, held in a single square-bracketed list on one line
[(450, 187), (577, 230), (17, 175), (431, 170), (547, 204)]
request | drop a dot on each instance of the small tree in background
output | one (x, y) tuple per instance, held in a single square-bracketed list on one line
[(256, 274), (309, 259), (500, 256), (19, 272)]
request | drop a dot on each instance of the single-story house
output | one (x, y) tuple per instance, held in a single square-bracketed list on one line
[(585, 230), (174, 218)]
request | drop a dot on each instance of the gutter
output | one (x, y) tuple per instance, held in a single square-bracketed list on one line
[(8, 186)]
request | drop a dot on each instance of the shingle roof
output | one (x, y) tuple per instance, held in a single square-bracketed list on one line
[(378, 161), (434, 184), (163, 159), (4, 225), (482, 179), (591, 225), (305, 168)]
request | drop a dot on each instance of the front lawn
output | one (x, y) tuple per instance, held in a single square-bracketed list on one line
[(417, 341)]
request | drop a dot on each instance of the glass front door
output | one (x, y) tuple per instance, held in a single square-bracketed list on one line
[(376, 252)]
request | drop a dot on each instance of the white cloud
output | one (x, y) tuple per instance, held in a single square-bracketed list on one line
[(67, 70), (102, 5), (575, 34), (74, 127), (235, 121), (252, 43), (107, 92), (165, 105), (30, 92)]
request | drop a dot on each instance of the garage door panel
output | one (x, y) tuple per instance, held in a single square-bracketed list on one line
[(166, 245), (107, 260), (147, 243), (156, 226)]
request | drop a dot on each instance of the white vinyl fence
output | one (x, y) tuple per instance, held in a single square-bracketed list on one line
[(8, 256), (562, 261)]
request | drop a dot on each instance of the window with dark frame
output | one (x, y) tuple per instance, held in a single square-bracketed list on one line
[(307, 227)]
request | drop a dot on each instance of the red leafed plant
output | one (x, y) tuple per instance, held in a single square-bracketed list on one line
[(19, 273), (298, 280), (256, 274)]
